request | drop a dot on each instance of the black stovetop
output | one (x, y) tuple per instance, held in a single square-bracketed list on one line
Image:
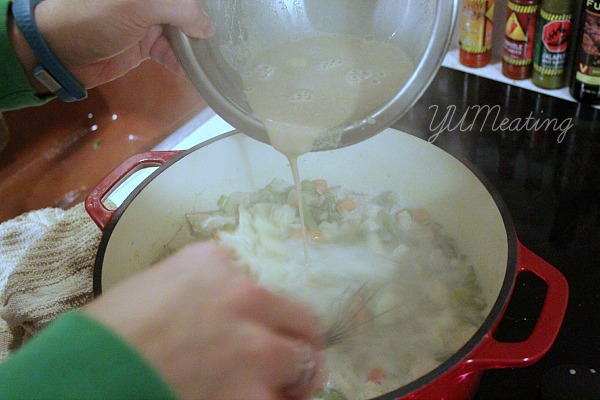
[(549, 177)]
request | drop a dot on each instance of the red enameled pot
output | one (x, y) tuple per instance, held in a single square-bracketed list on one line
[(452, 190)]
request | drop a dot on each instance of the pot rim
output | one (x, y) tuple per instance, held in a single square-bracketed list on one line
[(457, 358)]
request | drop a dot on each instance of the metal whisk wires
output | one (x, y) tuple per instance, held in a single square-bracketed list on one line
[(352, 313)]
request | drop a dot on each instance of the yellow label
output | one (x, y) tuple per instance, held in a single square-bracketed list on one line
[(555, 17), (476, 26), (590, 80), (522, 9), (490, 12), (548, 71), (514, 30), (517, 62)]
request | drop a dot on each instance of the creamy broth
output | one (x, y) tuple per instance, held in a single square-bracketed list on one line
[(305, 90)]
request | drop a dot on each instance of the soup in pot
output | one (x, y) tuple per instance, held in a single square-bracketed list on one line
[(396, 296)]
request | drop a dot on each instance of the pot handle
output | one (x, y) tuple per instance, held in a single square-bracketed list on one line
[(94, 202), (493, 354)]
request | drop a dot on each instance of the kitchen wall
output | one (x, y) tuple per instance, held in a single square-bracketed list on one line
[(499, 25)]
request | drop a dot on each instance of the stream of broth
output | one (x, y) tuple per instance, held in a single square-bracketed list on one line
[(305, 90)]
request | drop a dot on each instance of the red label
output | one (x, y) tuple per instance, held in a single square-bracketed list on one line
[(584, 69), (520, 34), (555, 36)]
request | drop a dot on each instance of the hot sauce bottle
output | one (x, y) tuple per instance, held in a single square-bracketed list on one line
[(585, 82), (476, 26), (519, 38), (553, 36)]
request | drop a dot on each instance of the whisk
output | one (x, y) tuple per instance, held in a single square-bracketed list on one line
[(352, 312)]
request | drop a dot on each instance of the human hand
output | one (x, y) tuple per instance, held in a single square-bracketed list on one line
[(98, 41), (212, 332)]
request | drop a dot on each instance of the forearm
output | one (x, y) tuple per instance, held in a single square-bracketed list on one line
[(78, 358), (94, 43)]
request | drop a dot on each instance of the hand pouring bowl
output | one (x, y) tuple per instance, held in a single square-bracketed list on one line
[(421, 29)]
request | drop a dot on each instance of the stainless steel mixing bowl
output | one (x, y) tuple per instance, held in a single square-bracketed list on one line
[(422, 28)]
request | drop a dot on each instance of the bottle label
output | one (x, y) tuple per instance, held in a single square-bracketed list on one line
[(554, 35), (520, 34), (477, 25), (588, 64)]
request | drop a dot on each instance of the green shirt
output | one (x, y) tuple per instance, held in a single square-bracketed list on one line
[(78, 358), (15, 90)]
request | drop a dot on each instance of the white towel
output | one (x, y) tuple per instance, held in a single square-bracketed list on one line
[(46, 268)]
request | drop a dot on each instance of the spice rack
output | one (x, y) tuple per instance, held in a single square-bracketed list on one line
[(494, 69)]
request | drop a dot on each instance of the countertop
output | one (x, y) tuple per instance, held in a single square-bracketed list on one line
[(57, 152)]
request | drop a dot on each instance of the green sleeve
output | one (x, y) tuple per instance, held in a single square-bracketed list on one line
[(78, 358), (15, 90)]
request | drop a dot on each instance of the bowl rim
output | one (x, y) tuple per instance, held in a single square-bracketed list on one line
[(444, 25)]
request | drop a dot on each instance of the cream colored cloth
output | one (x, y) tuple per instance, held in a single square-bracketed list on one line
[(46, 268)]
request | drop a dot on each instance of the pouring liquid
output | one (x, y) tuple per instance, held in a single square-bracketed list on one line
[(293, 160), (304, 91)]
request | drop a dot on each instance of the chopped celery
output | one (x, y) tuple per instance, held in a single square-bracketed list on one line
[(307, 186), (309, 220), (467, 298), (320, 215), (329, 204), (386, 199), (278, 192), (446, 243), (222, 202), (390, 230), (318, 207), (330, 394), (228, 204), (204, 224)]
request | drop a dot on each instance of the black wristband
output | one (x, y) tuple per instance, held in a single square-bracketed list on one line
[(51, 73)]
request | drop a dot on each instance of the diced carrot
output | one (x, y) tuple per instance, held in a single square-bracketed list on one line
[(346, 206), (317, 236), (296, 233), (320, 186), (420, 216), (376, 375)]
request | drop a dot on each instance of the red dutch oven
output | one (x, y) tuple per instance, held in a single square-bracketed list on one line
[(452, 190)]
